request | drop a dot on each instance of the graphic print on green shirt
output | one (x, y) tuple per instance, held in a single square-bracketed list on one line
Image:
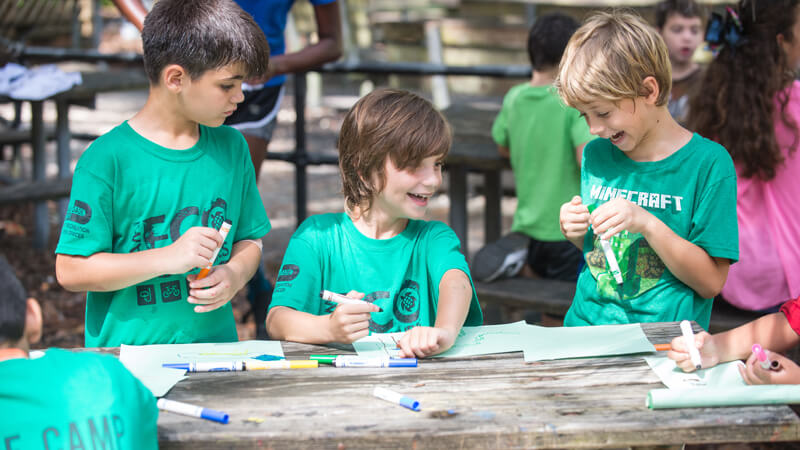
[(639, 264)]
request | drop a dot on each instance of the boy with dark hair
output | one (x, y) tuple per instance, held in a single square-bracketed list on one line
[(63, 398), (149, 196), (409, 272), (680, 23), (543, 139)]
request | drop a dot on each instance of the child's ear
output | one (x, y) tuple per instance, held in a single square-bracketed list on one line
[(174, 77), (33, 321), (650, 90)]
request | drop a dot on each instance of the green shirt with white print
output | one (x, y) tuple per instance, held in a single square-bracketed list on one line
[(693, 192)]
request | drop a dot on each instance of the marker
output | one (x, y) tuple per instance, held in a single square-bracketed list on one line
[(663, 347), (223, 230), (396, 397), (358, 361), (238, 366), (613, 265), (341, 299), (764, 360), (192, 410), (688, 337)]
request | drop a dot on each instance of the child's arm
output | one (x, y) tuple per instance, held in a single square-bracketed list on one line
[(771, 331), (346, 324), (103, 272), (574, 220), (688, 262), (455, 295), (225, 280), (787, 372)]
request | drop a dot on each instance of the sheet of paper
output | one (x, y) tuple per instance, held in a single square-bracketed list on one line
[(772, 394), (720, 376), (471, 341), (145, 361), (543, 343)]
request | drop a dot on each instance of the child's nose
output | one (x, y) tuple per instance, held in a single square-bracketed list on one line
[(239, 97)]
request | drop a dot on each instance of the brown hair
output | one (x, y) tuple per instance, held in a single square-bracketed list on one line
[(735, 104), (685, 8), (609, 57), (387, 123)]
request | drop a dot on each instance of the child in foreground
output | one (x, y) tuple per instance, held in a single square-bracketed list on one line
[(663, 198), (778, 331), (63, 398), (409, 272), (149, 196)]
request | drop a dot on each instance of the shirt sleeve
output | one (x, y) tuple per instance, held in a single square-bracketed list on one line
[(253, 220), (445, 255), (299, 280), (791, 310), (88, 224), (714, 223)]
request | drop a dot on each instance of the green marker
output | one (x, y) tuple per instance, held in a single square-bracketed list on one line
[(323, 359)]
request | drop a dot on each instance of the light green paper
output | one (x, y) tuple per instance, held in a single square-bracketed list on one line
[(543, 343), (725, 375), (471, 341), (145, 361), (772, 394)]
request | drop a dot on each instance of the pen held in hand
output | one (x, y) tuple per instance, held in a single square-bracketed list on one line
[(688, 336), (342, 299)]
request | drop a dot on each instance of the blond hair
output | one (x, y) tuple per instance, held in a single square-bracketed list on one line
[(387, 123), (609, 57)]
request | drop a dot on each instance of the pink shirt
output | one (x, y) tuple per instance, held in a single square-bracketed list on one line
[(768, 271)]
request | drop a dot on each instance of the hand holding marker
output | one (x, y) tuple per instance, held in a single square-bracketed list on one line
[(223, 230), (688, 337), (342, 299), (764, 360)]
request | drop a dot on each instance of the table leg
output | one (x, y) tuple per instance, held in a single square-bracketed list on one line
[(458, 203), (492, 212), (63, 137), (41, 227)]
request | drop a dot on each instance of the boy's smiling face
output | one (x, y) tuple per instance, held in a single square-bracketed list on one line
[(622, 123), (406, 193), (213, 96)]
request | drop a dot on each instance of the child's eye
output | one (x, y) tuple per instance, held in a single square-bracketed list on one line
[(603, 114), (439, 163), (226, 87)]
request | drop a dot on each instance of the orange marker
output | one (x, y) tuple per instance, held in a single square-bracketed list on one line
[(663, 347), (223, 230)]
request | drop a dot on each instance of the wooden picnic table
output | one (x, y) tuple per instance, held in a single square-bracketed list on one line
[(500, 401)]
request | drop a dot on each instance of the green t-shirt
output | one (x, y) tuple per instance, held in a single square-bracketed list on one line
[(693, 192), (541, 134), (401, 274), (130, 194), (74, 400)]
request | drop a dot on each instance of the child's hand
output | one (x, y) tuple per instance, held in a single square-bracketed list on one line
[(616, 215), (574, 219), (420, 342), (787, 373), (214, 290), (350, 321), (704, 342), (193, 249)]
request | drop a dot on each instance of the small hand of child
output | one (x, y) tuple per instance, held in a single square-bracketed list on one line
[(350, 321), (787, 373), (213, 291), (193, 249), (704, 343), (616, 215), (574, 219), (420, 342)]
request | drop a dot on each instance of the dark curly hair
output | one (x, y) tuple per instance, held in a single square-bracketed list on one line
[(735, 104)]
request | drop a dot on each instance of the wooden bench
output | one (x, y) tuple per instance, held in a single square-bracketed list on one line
[(514, 296)]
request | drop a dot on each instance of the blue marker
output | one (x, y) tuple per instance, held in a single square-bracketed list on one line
[(192, 410), (201, 366), (358, 361), (396, 397)]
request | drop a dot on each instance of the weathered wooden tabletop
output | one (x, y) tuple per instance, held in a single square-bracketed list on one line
[(501, 402)]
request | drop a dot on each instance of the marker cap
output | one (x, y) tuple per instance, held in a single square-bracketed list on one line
[(182, 366), (409, 403), (216, 416), (403, 362), (323, 359)]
